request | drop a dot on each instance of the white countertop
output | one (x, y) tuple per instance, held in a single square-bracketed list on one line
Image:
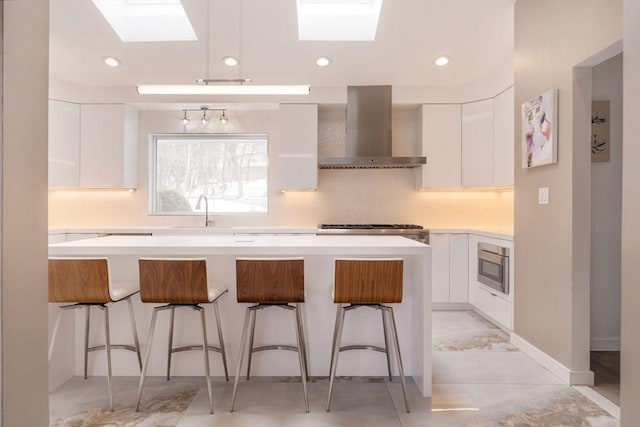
[(247, 245), (495, 232)]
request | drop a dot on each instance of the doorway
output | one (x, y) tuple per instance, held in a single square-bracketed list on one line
[(606, 213)]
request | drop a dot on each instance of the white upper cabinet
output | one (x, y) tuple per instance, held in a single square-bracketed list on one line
[(477, 144), (64, 144), (298, 154), (108, 155), (441, 139), (503, 138)]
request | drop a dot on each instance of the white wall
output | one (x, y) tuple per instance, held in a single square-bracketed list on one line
[(606, 208), (366, 195), (551, 306), (630, 373), (24, 218)]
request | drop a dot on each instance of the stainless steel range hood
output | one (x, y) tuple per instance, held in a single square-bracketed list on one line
[(368, 142)]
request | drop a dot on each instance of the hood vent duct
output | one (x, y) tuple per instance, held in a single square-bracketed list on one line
[(368, 138)]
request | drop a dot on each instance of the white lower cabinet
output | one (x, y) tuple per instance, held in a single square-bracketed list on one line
[(495, 305), (450, 263)]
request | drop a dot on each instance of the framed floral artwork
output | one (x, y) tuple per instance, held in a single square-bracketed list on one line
[(539, 130)]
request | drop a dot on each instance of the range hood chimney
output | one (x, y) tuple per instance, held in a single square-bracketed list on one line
[(368, 142)]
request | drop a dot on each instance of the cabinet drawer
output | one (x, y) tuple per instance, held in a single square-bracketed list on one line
[(492, 305)]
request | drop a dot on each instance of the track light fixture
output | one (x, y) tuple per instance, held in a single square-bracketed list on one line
[(205, 118)]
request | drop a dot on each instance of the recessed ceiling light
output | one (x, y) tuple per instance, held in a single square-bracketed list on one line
[(230, 61), (338, 20), (442, 61), (111, 61), (323, 61)]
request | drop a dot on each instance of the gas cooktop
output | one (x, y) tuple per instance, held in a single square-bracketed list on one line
[(411, 231)]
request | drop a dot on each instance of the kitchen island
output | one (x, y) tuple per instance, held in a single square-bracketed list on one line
[(413, 315)]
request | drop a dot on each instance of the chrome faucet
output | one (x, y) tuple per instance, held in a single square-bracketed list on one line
[(207, 222)]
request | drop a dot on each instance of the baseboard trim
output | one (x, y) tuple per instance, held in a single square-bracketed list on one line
[(605, 344), (599, 400), (565, 374), (456, 306)]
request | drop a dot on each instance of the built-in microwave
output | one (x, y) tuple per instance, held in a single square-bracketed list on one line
[(493, 266)]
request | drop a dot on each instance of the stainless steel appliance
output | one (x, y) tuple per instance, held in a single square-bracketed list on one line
[(493, 266), (411, 231), (368, 133)]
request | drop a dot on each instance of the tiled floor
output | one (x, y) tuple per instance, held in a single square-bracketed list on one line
[(479, 380)]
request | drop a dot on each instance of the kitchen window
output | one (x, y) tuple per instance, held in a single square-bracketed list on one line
[(230, 170)]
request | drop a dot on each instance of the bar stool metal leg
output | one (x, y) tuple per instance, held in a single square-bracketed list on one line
[(170, 347), (301, 356), (86, 339), (108, 349), (302, 338), (221, 340), (252, 334), (147, 352), (56, 326), (396, 343), (336, 352), (134, 328), (386, 342), (205, 349), (243, 344)]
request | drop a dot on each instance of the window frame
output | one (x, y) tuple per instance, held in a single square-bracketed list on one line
[(153, 162)]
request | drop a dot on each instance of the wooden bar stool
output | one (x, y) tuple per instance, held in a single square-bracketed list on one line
[(270, 282), (86, 282), (178, 283), (372, 283)]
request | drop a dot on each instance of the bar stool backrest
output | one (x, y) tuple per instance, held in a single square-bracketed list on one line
[(173, 280), (368, 281), (270, 280), (79, 280)]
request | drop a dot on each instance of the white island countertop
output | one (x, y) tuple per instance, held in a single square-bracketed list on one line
[(413, 315), (249, 245)]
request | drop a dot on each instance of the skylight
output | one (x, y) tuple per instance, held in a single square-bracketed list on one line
[(338, 20), (147, 20)]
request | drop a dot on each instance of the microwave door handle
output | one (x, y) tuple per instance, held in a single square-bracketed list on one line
[(492, 257)]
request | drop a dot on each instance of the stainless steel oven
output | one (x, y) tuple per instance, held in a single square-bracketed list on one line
[(493, 266)]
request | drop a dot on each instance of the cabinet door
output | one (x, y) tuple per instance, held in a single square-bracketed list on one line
[(459, 268), (503, 139), (108, 135), (477, 144), (441, 139), (439, 267), (64, 144), (298, 154)]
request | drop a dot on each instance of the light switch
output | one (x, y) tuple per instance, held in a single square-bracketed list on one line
[(543, 195)]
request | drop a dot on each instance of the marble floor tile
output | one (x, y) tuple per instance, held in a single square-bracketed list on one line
[(265, 404), (488, 367), (479, 381), (464, 320), (81, 402), (474, 339)]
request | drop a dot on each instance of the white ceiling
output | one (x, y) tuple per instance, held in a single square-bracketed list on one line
[(476, 34)]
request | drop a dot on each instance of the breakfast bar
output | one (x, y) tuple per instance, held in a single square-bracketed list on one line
[(413, 315)]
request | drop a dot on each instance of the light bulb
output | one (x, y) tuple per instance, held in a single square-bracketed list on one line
[(205, 119), (111, 61), (442, 61), (185, 120), (323, 61), (223, 118), (230, 61)]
